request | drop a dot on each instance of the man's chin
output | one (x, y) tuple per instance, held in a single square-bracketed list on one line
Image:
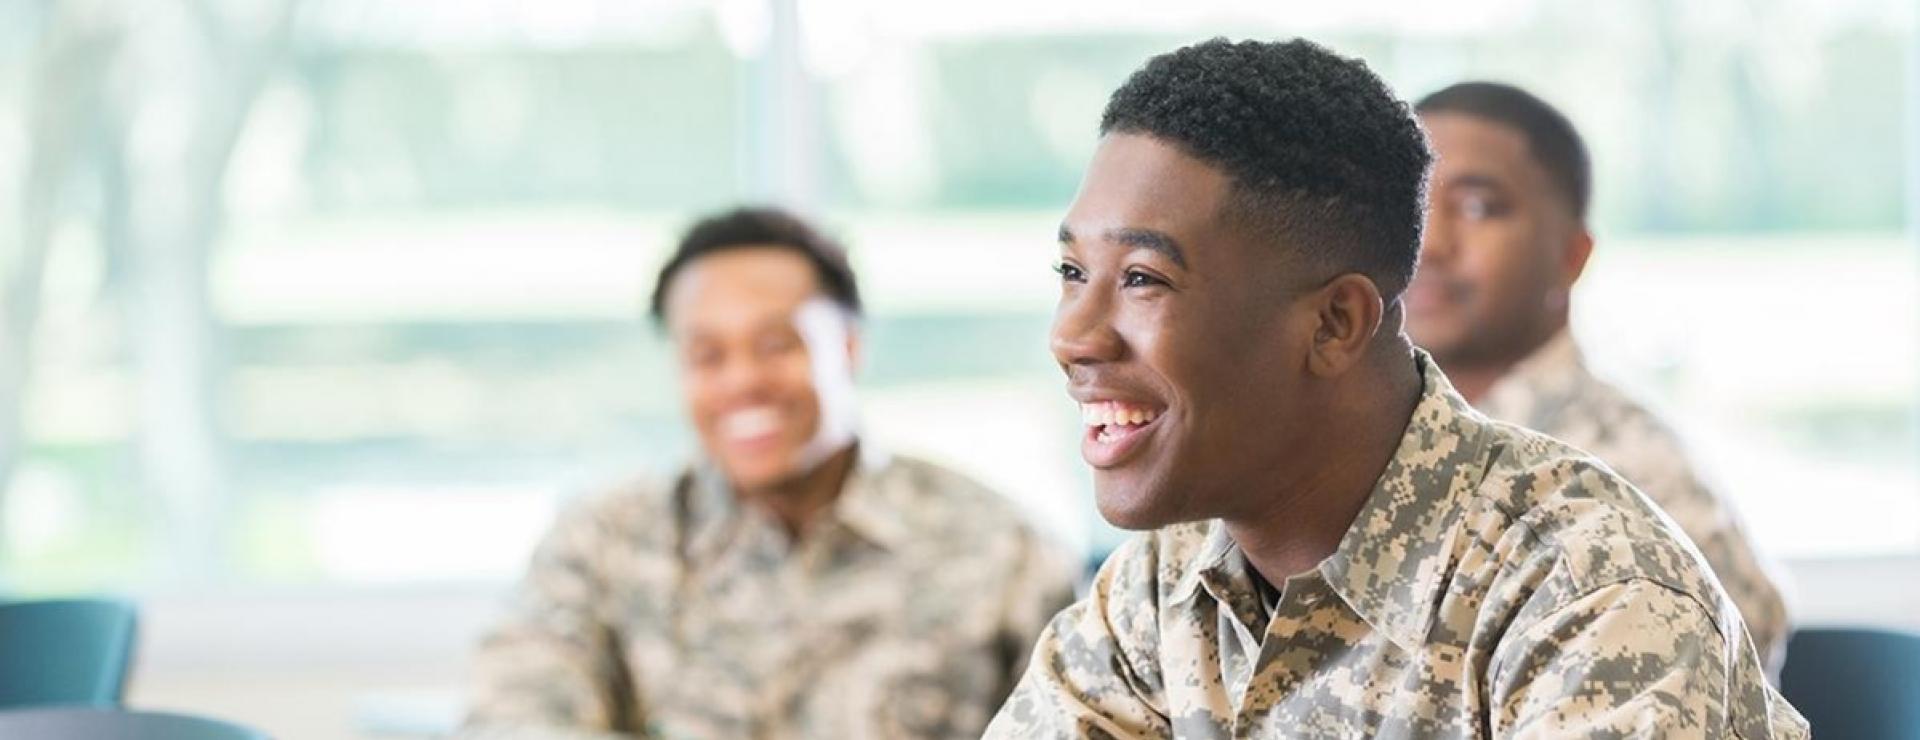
[(1133, 510), (761, 474), (1443, 345)]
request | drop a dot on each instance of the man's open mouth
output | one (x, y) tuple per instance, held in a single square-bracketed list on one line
[(1115, 428)]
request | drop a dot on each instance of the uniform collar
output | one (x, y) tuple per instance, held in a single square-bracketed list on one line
[(868, 504), (872, 504)]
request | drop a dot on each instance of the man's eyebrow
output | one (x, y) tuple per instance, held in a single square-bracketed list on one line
[(1150, 240), (1478, 180), (1138, 239)]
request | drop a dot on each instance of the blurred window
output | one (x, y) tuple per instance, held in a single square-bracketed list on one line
[(437, 222)]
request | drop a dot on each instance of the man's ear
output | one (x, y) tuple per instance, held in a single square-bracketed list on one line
[(1573, 261), (1348, 311)]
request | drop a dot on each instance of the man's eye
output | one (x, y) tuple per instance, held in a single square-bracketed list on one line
[(776, 344), (1478, 208), (1069, 273), (1138, 279)]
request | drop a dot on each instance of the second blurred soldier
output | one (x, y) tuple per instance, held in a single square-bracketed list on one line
[(794, 583), (1506, 238)]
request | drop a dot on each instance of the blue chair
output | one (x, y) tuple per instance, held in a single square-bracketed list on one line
[(1855, 683), (65, 652), (117, 724)]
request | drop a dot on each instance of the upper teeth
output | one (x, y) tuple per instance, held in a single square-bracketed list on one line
[(1108, 413), (750, 422)]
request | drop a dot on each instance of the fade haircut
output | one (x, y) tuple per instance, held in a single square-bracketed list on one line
[(1551, 138), (749, 227), (1322, 157)]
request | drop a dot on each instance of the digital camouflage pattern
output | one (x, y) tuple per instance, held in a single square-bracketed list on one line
[(906, 612), (1496, 583), (1553, 392)]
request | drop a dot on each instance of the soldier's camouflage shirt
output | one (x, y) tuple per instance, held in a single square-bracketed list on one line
[(1553, 392), (674, 612), (1496, 583)]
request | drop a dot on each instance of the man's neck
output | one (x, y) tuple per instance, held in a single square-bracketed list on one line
[(1475, 377), (1474, 381), (798, 501), (1307, 521)]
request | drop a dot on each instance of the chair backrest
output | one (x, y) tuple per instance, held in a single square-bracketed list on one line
[(1855, 683), (117, 724), (65, 652)]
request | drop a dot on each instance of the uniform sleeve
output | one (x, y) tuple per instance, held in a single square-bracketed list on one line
[(552, 666), (1631, 660), (1080, 682), (1714, 527)]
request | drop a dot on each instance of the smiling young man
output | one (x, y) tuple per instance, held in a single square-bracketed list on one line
[(1338, 545), (793, 583), (1505, 240)]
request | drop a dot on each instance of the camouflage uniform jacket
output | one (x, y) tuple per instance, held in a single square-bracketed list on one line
[(907, 611), (1553, 392), (1496, 583)]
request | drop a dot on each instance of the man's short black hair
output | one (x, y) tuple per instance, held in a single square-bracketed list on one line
[(761, 227), (1551, 138), (1322, 156)]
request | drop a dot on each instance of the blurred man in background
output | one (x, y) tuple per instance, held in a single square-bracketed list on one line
[(1506, 237), (795, 582), (1333, 544)]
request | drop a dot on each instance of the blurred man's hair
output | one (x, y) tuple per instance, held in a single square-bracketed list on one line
[(761, 227), (1551, 138), (1323, 159)]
